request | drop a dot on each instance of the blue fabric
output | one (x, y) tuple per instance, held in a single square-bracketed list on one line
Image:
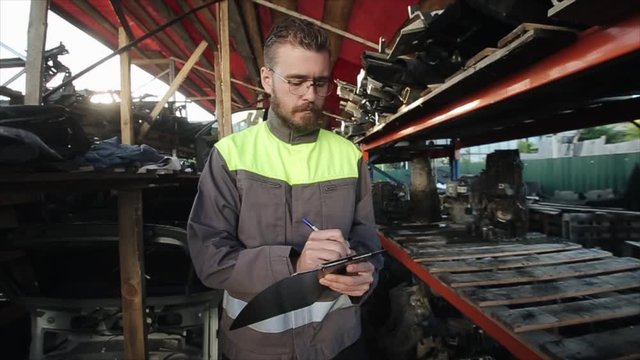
[(110, 153)]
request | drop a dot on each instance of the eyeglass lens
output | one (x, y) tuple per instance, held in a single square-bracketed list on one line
[(322, 88)]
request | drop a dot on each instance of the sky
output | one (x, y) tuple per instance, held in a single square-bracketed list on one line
[(83, 51)]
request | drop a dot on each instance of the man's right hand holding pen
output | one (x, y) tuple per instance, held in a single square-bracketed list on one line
[(328, 245)]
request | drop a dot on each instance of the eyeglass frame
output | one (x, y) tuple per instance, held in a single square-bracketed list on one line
[(314, 84)]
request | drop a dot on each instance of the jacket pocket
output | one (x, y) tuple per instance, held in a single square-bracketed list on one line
[(262, 211), (338, 204)]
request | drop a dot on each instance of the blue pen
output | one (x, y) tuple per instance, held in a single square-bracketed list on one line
[(310, 225)]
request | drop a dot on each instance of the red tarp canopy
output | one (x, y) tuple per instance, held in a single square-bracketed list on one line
[(249, 24)]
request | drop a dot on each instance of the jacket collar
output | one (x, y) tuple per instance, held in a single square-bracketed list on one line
[(282, 131)]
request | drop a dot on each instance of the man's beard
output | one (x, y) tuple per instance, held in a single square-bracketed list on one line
[(308, 122)]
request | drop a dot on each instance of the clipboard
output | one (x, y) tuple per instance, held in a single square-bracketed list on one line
[(292, 293)]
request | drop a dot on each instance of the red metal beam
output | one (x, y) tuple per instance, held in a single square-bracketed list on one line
[(516, 346), (595, 47)]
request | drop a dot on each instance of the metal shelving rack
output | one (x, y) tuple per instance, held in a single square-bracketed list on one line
[(572, 88), (601, 63)]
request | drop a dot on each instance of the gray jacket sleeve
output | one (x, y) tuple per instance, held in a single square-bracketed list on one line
[(220, 259)]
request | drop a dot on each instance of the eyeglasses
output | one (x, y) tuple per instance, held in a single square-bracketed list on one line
[(299, 87)]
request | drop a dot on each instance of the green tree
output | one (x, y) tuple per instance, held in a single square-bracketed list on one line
[(633, 131), (526, 147), (613, 135)]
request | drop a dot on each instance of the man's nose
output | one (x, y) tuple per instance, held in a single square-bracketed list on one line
[(310, 93)]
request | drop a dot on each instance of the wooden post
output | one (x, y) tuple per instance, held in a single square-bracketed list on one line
[(126, 121), (218, 97), (132, 285), (223, 69), (182, 75), (424, 203), (36, 38)]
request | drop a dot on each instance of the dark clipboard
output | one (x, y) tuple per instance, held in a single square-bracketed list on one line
[(352, 259)]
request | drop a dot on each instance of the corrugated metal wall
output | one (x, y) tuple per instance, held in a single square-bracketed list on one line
[(582, 173)]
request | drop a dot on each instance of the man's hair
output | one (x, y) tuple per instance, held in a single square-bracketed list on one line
[(296, 32)]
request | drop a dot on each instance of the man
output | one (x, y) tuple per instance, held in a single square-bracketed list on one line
[(246, 230)]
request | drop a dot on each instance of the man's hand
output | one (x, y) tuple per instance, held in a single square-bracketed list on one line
[(355, 283), (322, 246)]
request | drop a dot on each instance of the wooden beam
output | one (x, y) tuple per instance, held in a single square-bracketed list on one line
[(156, 77), (169, 14), (96, 35), (184, 6), (36, 39), (96, 16), (318, 23), (278, 17), (146, 22), (180, 30), (571, 313), (552, 291), (338, 17), (540, 273), (182, 75), (132, 284), (117, 8), (241, 41), (125, 48), (151, 61), (223, 71), (235, 94), (183, 34), (200, 98), (210, 18), (209, 15), (257, 89), (253, 30), (189, 84), (214, 74), (126, 123), (100, 19)]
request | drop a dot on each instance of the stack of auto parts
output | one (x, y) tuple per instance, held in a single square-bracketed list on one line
[(30, 132), (457, 201), (498, 197), (428, 49), (390, 202), (492, 204), (70, 119)]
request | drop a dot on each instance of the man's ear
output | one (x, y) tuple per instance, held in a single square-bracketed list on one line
[(266, 77)]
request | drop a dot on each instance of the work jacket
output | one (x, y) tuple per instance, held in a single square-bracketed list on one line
[(246, 224)]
